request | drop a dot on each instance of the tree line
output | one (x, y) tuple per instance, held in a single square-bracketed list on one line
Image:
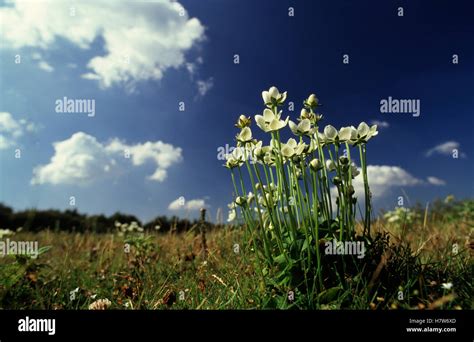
[(73, 221)]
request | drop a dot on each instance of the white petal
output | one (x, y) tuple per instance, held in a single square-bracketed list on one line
[(292, 143), (274, 93), (363, 129), (266, 96), (260, 121), (268, 115), (293, 127), (304, 126), (287, 151), (245, 134), (330, 132), (345, 133)]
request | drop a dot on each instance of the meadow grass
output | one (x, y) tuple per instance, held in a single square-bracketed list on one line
[(169, 271)]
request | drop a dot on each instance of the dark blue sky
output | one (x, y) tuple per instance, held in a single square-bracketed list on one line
[(407, 57)]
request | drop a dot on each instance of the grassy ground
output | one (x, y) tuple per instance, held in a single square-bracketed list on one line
[(404, 268)]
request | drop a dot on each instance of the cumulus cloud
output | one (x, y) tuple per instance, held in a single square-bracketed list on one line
[(180, 203), (161, 154), (380, 124), (11, 129), (141, 39), (382, 179), (447, 148), (82, 159), (436, 181)]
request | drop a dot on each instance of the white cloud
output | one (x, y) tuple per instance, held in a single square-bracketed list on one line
[(447, 148), (43, 65), (191, 205), (141, 39), (82, 159), (205, 86), (161, 154), (382, 179), (380, 124), (11, 129), (436, 181)]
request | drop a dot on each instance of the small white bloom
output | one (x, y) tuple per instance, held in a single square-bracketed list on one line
[(330, 165), (273, 97), (232, 215), (348, 134), (447, 286), (302, 128), (245, 135)]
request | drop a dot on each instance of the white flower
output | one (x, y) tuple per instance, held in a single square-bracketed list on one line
[(315, 164), (240, 201), (348, 134), (270, 122), (329, 136), (330, 165), (447, 286), (232, 215), (273, 97), (236, 158), (245, 135), (302, 128), (250, 197), (364, 132), (312, 101), (292, 148)]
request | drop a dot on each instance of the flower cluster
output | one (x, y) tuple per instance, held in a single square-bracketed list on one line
[(293, 182), (125, 228)]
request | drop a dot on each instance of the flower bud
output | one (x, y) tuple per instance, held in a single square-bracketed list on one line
[(315, 164), (240, 201), (330, 165)]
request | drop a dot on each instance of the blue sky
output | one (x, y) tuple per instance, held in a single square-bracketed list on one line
[(189, 58)]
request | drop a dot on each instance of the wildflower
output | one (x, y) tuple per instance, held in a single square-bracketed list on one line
[(364, 132), (243, 121), (447, 286), (236, 158), (245, 135), (269, 121), (272, 97), (250, 197), (312, 117), (232, 215), (315, 165), (348, 134), (100, 304), (240, 201), (311, 102), (302, 128), (292, 148), (330, 165)]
